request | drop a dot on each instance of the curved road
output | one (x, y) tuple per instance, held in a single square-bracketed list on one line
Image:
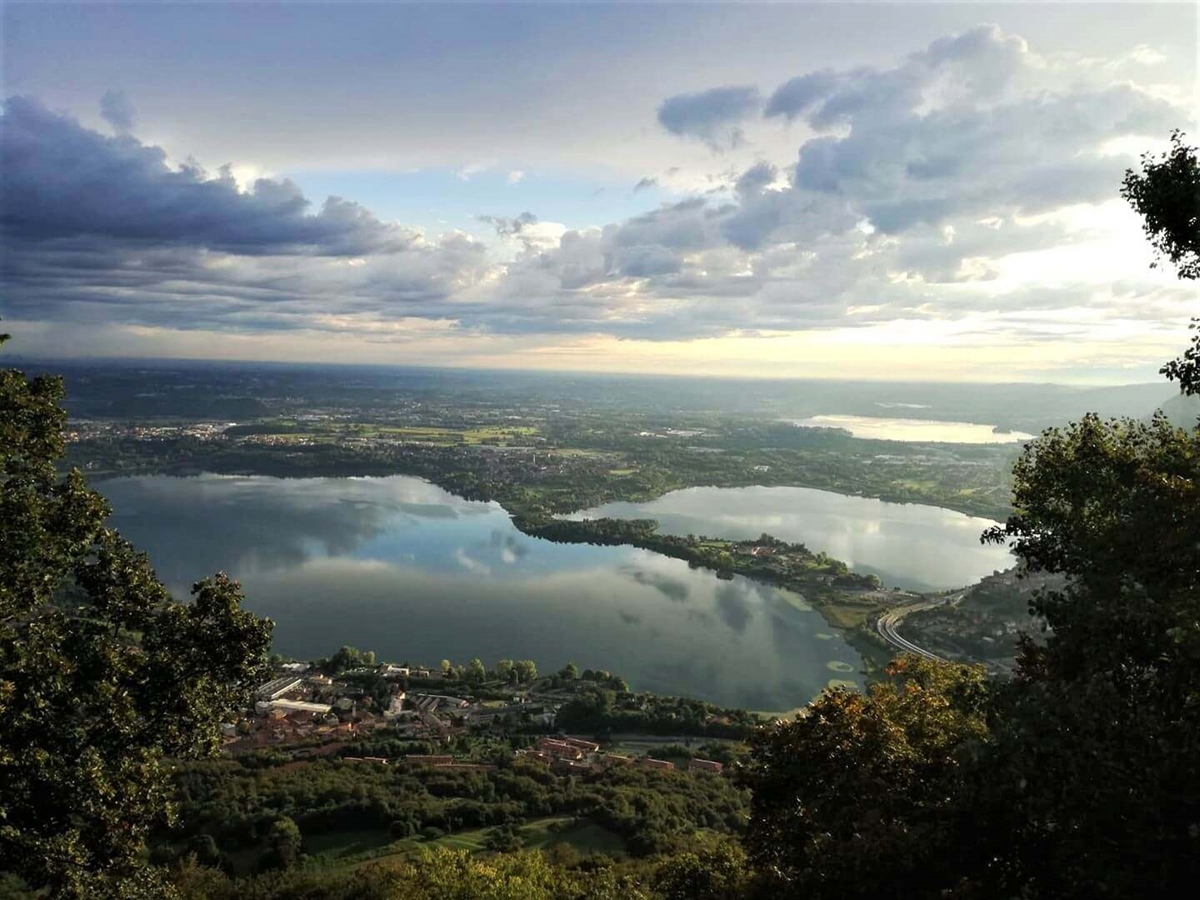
[(887, 623)]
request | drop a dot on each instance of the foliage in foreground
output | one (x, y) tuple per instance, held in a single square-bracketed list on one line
[(1080, 777), (103, 677)]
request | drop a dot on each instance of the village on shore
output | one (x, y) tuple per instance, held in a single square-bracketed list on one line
[(307, 712)]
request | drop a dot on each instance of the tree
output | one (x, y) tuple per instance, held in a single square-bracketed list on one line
[(283, 844), (348, 658), (570, 672), (850, 798), (204, 847), (716, 871), (1100, 730), (1166, 194), (103, 676), (505, 670), (526, 670), (476, 671)]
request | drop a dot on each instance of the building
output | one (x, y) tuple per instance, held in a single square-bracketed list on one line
[(558, 749), (395, 705), (287, 706), (585, 746), (705, 765), (277, 687), (609, 760)]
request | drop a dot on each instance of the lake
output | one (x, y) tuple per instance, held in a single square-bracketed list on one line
[(927, 431), (412, 572), (917, 547)]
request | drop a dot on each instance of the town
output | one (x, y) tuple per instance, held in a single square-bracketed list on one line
[(455, 718)]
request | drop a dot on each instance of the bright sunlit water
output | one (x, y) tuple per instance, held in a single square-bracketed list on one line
[(916, 430), (906, 544)]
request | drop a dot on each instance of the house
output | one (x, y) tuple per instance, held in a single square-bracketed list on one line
[(558, 749), (585, 746), (705, 765), (395, 705), (277, 687), (299, 706), (608, 760)]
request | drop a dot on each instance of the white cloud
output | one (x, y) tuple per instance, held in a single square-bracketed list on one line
[(965, 193), (471, 169)]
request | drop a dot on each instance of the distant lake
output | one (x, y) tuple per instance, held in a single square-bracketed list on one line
[(906, 544), (401, 567), (927, 431)]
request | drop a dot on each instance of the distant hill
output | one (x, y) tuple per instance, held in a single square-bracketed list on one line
[(1182, 411)]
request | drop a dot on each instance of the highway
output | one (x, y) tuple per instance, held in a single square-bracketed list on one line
[(888, 622)]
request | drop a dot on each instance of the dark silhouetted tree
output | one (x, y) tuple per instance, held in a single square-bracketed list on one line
[(1166, 194), (104, 678)]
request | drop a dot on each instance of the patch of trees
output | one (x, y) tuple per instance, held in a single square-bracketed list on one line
[(239, 805), (600, 711)]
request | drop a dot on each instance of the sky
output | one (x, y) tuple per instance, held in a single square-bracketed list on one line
[(852, 190)]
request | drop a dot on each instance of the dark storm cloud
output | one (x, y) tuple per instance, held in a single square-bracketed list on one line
[(712, 115), (62, 180)]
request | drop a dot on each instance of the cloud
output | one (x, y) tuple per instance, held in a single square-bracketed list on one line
[(470, 170), (63, 181), (510, 226), (711, 116), (525, 232), (645, 184), (117, 110), (966, 180), (515, 175)]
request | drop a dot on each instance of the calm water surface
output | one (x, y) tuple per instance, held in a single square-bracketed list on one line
[(928, 431), (906, 544), (401, 567)]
